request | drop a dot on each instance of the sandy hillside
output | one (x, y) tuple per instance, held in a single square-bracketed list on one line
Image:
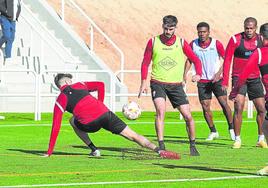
[(130, 23)]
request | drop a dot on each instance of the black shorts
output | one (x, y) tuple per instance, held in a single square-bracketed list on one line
[(108, 121), (174, 92), (253, 87), (205, 90)]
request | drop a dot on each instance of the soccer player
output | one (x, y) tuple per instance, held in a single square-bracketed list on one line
[(259, 59), (90, 115), (166, 51), (209, 51), (239, 48)]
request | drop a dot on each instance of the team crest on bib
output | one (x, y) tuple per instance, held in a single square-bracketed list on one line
[(167, 63)]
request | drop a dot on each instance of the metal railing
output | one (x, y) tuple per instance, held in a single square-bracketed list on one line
[(93, 26)]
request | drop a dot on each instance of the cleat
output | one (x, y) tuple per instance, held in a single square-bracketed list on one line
[(232, 134), (95, 153), (169, 154), (193, 151), (237, 145), (263, 172), (212, 136), (262, 144)]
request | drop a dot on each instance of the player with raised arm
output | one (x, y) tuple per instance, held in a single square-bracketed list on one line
[(90, 115)]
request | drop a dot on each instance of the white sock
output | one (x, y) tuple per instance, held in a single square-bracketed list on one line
[(237, 138), (260, 138)]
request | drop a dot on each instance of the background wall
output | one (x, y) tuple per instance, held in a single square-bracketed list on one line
[(131, 23)]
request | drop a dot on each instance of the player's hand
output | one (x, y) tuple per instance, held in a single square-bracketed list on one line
[(143, 89), (224, 88), (217, 77), (196, 78)]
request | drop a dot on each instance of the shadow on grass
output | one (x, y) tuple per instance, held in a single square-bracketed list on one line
[(203, 168), (184, 140), (41, 152)]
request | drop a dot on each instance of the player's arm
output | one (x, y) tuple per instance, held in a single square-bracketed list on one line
[(221, 52), (193, 58), (242, 78), (97, 86), (59, 109), (147, 58), (187, 67), (229, 53)]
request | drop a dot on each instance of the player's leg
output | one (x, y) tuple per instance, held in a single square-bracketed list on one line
[(256, 94), (238, 110), (115, 125), (159, 100), (84, 137), (190, 127), (205, 95)]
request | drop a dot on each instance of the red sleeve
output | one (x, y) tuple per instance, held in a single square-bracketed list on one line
[(220, 48), (193, 58), (59, 109), (146, 59), (227, 61), (251, 66), (97, 86)]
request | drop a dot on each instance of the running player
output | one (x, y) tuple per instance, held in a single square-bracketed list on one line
[(166, 51), (90, 115), (239, 48), (209, 51), (259, 59)]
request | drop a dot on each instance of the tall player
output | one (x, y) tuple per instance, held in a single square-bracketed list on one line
[(209, 51), (239, 48), (259, 59), (166, 51)]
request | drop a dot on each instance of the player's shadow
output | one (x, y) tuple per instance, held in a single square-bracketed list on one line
[(41, 152), (184, 140), (203, 168)]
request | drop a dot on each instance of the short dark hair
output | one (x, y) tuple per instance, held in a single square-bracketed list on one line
[(170, 20), (264, 30), (59, 76), (251, 19), (203, 24)]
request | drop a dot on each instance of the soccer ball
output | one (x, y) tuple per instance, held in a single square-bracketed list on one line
[(131, 110)]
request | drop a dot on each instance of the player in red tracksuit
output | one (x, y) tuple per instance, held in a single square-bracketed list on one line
[(90, 115), (239, 48), (259, 59)]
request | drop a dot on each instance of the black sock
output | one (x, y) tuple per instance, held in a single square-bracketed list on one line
[(92, 147), (156, 149), (161, 145), (213, 129), (192, 143), (231, 126)]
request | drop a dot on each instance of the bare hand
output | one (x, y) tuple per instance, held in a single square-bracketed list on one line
[(224, 88), (196, 78), (217, 77), (143, 89)]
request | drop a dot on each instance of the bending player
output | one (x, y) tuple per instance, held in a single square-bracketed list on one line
[(90, 115)]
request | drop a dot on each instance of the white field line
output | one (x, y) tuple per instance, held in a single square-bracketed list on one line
[(128, 123), (135, 182)]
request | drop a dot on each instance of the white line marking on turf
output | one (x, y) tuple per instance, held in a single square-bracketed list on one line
[(129, 123), (136, 182)]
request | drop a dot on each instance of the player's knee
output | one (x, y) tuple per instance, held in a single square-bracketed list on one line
[(160, 114), (188, 117)]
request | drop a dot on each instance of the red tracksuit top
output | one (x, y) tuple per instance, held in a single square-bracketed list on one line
[(168, 41), (259, 59), (239, 48), (77, 100)]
